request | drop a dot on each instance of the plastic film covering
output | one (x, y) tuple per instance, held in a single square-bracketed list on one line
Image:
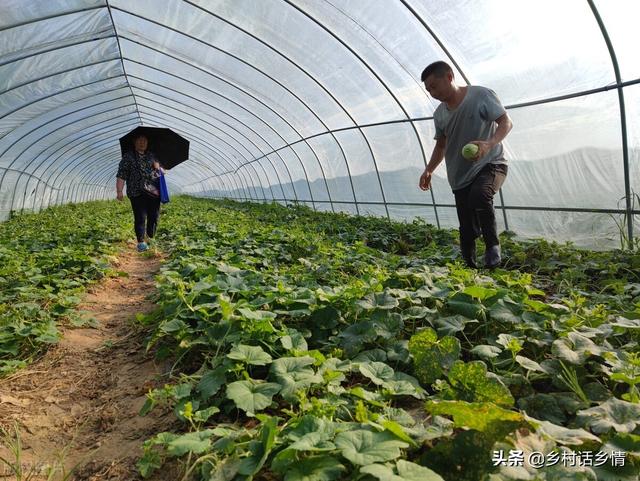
[(319, 102)]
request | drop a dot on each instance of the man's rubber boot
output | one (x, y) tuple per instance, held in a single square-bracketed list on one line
[(469, 257), (492, 257)]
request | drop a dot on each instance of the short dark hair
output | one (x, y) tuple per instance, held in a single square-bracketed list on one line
[(439, 69), (140, 136)]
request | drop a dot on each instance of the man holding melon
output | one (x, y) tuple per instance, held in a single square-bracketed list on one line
[(470, 125)]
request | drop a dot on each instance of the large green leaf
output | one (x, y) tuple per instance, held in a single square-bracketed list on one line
[(379, 300), (196, 442), (377, 372), (561, 434), (450, 325), (252, 396), (479, 292), (315, 468), (294, 340), (365, 447), (432, 356), (543, 406), (406, 471), (293, 374), (256, 315), (211, 382), (252, 355), (575, 348), (471, 382), (486, 351), (506, 311), (615, 414), (478, 416), (261, 448)]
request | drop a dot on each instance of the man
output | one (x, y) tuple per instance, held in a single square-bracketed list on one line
[(139, 170), (470, 114)]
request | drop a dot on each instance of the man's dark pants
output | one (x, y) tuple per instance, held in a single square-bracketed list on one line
[(146, 211), (476, 214)]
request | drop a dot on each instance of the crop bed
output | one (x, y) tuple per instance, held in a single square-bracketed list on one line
[(318, 346)]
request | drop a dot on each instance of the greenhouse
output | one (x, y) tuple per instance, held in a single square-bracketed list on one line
[(301, 304)]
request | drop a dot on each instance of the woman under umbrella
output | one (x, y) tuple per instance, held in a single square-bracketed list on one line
[(140, 170)]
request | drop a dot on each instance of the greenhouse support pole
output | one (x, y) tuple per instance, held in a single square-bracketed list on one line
[(623, 122)]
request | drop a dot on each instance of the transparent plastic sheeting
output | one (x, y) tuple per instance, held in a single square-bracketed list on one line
[(320, 102)]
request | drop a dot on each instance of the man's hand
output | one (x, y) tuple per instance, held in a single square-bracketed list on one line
[(119, 195), (483, 149), (425, 180)]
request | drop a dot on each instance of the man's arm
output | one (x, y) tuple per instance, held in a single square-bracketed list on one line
[(504, 127), (436, 157)]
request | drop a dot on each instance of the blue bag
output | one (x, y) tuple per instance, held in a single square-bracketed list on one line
[(164, 192)]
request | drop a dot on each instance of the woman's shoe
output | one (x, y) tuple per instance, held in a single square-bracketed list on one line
[(142, 246)]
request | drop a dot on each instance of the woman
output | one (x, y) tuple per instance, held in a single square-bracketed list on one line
[(140, 170)]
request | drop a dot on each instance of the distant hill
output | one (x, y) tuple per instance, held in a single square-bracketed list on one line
[(585, 178)]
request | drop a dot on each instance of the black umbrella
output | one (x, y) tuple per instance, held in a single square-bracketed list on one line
[(168, 147)]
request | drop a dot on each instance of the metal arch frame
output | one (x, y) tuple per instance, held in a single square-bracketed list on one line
[(65, 137), (100, 177), (60, 92), (44, 77), (249, 65), (51, 145), (13, 200), (262, 167), (124, 71), (109, 168), (239, 186), (48, 133), (71, 147), (29, 132), (80, 161), (318, 83), (191, 135), (328, 93), (30, 175), (224, 123), (85, 132), (188, 133), (225, 113), (119, 125), (623, 119), (106, 172), (242, 92), (49, 17), (207, 123), (96, 36), (63, 71), (24, 172), (244, 182), (250, 185), (382, 82), (58, 170)]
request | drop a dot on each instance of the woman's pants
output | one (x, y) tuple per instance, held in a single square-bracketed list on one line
[(146, 211), (474, 204)]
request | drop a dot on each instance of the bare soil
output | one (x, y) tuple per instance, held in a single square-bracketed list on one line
[(79, 403)]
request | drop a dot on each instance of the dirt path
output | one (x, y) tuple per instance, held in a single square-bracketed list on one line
[(84, 395)]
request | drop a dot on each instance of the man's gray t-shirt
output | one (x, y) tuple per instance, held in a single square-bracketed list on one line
[(473, 119)]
